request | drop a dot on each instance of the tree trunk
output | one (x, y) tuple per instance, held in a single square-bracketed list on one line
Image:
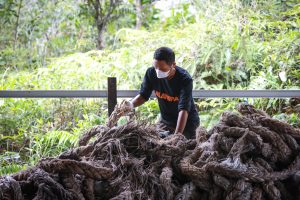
[(17, 24), (103, 13), (100, 36), (138, 8)]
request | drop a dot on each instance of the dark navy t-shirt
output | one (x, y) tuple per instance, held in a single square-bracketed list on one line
[(173, 95)]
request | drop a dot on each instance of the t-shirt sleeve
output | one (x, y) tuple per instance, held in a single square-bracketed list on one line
[(186, 96), (146, 86)]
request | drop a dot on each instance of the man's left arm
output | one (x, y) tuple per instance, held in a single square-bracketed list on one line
[(184, 105), (181, 121)]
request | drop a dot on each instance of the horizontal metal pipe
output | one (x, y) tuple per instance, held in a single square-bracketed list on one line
[(132, 93)]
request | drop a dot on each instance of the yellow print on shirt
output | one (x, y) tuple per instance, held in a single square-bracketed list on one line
[(166, 97)]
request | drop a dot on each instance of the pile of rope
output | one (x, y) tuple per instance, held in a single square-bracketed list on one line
[(245, 156)]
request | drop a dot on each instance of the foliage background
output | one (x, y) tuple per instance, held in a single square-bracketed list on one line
[(227, 44)]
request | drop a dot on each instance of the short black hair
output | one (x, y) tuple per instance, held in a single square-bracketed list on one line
[(164, 53)]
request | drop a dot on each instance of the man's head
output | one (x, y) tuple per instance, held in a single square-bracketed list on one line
[(164, 61)]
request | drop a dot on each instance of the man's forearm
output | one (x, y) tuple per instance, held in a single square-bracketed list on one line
[(138, 100), (181, 121)]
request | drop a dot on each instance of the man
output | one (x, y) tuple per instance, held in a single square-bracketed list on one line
[(173, 87)]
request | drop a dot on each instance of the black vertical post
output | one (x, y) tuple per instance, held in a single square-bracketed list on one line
[(111, 94)]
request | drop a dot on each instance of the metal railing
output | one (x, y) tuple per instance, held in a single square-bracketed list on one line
[(112, 93)]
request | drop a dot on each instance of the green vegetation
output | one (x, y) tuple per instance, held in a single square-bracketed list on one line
[(246, 44)]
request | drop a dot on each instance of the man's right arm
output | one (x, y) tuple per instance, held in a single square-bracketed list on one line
[(145, 91), (138, 100)]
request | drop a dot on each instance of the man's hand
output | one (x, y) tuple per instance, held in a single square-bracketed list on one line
[(126, 107)]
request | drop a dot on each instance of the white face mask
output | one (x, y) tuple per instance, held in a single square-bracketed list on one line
[(161, 74)]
